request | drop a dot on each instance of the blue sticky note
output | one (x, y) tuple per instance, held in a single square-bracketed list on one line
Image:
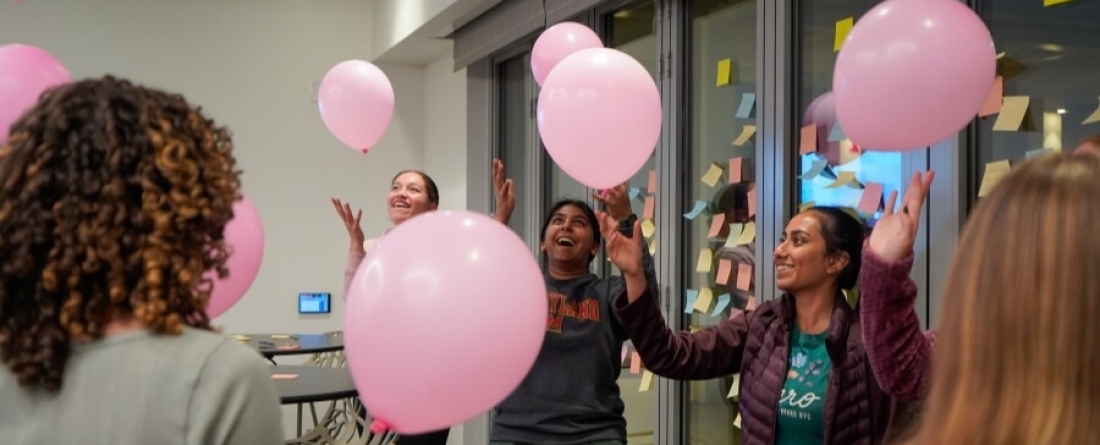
[(697, 210), (1033, 153), (837, 133), (723, 301), (635, 192), (745, 109), (689, 300)]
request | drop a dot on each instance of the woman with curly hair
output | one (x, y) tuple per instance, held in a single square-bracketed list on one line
[(113, 203)]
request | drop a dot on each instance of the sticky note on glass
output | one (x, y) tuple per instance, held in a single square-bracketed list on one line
[(744, 276), (736, 165), (843, 27), (622, 356), (635, 362), (735, 387), (648, 208), (1094, 117), (737, 420), (706, 297), (697, 210), (635, 192), (242, 338), (808, 204), (1037, 152), (1013, 111), (748, 101), (807, 141), (816, 168), (713, 174), (652, 186), (992, 104), (716, 224), (1049, 3), (723, 78), (648, 228), (842, 179), (751, 304), (653, 246), (734, 235), (690, 296), (837, 133), (994, 172), (647, 381), (752, 201), (872, 197), (746, 133), (706, 257), (723, 302), (748, 235), (284, 376)]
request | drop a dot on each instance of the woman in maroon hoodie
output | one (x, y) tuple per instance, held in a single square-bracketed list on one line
[(805, 376)]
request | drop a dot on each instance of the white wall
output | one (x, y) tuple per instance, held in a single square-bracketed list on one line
[(252, 65)]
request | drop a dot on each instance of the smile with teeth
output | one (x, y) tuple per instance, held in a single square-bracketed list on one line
[(780, 268), (563, 241), (400, 205)]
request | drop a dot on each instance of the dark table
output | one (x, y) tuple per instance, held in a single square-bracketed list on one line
[(270, 345), (312, 384)]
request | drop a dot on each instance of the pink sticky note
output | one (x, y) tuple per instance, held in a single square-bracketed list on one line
[(992, 104), (735, 170), (652, 181), (734, 312), (752, 201), (725, 266), (635, 363), (751, 305), (872, 197), (744, 276), (807, 142), (717, 222), (622, 357), (647, 212), (284, 376)]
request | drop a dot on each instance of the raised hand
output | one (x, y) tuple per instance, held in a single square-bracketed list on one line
[(624, 252), (502, 187), (351, 223), (616, 201), (894, 234)]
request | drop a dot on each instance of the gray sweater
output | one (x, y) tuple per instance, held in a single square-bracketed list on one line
[(144, 389)]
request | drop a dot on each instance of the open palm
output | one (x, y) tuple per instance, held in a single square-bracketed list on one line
[(894, 234), (624, 252)]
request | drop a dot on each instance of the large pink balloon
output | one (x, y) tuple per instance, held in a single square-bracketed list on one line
[(25, 72), (599, 115), (912, 73), (245, 236), (557, 43), (437, 337), (356, 102)]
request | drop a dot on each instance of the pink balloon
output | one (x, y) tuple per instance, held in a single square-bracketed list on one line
[(912, 73), (435, 338), (557, 43), (599, 115), (356, 102), (245, 236), (25, 73)]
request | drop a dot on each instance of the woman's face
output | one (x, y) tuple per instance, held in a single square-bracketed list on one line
[(569, 239), (801, 258), (408, 197)]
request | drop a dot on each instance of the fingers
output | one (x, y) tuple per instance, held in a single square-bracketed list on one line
[(888, 208), (508, 187), (915, 202), (637, 235), (358, 217), (498, 174), (347, 214), (608, 225)]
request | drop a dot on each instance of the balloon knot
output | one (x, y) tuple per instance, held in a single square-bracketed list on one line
[(365, 150), (379, 427)]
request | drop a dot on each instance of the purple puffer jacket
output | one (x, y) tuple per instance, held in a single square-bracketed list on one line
[(754, 344)]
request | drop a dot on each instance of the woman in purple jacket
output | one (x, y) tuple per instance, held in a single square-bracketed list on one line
[(805, 376)]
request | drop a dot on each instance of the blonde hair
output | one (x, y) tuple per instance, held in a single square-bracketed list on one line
[(1019, 331)]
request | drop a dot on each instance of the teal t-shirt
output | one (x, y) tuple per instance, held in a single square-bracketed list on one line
[(802, 403)]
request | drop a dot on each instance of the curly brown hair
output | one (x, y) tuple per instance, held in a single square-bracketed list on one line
[(113, 202)]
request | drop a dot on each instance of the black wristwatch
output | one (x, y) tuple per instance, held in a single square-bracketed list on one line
[(626, 226)]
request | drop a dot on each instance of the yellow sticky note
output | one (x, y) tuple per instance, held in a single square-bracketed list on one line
[(693, 329), (806, 205), (280, 337), (1049, 3), (704, 300), (994, 172), (706, 257), (653, 246), (735, 234), (843, 27), (747, 133), (723, 73), (1094, 117), (737, 420), (1013, 110), (713, 174), (734, 391), (748, 235), (648, 228), (647, 381), (842, 179), (242, 338)]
